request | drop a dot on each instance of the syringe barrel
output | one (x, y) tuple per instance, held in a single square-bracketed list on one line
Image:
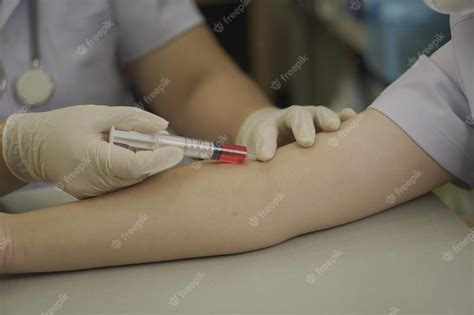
[(205, 150), (194, 148)]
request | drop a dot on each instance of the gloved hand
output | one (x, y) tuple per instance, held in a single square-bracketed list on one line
[(266, 129), (69, 147), (451, 6)]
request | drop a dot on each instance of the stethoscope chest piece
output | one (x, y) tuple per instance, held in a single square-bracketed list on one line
[(34, 87)]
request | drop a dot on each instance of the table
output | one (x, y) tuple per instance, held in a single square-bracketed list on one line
[(390, 263)]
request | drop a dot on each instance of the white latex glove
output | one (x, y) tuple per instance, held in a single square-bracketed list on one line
[(69, 147), (268, 128), (451, 6)]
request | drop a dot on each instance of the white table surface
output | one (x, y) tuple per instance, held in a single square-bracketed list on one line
[(391, 263)]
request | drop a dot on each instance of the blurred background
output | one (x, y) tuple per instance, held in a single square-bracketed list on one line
[(338, 53)]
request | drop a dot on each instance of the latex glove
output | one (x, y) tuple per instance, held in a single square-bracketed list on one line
[(69, 147), (451, 6), (266, 129)]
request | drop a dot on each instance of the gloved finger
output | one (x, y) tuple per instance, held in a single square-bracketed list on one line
[(265, 139), (346, 114), (124, 163), (301, 122), (325, 119), (132, 118)]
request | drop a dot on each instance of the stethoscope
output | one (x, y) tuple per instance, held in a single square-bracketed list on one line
[(35, 86)]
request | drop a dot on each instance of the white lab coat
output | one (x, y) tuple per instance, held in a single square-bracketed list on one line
[(84, 45), (433, 102)]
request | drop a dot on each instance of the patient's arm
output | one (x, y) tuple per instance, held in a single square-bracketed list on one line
[(200, 212)]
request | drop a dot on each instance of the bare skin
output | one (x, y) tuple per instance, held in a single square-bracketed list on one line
[(204, 212), (208, 96)]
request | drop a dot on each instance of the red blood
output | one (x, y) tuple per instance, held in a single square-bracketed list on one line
[(232, 154)]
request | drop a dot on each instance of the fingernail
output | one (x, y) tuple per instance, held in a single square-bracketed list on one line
[(332, 123), (265, 155), (264, 158), (350, 111), (306, 141)]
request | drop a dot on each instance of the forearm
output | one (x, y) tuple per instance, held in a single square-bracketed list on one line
[(223, 100), (8, 181), (191, 213), (206, 211), (336, 184)]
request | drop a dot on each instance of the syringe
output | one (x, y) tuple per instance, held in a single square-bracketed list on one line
[(200, 149)]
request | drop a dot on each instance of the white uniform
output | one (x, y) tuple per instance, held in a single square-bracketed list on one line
[(85, 43), (433, 102)]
